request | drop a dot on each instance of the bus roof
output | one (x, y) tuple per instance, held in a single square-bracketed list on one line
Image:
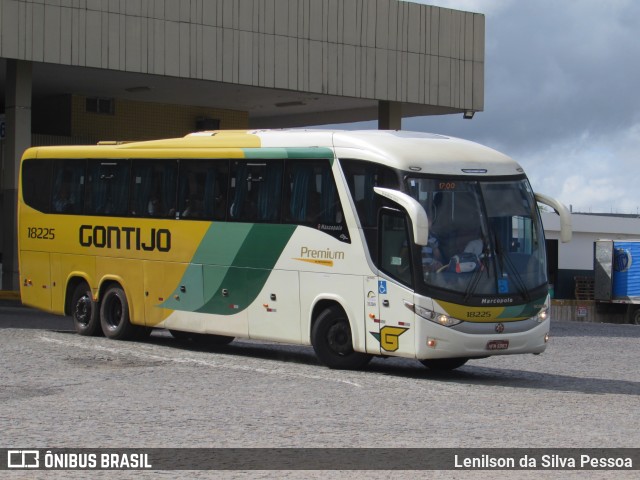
[(400, 149)]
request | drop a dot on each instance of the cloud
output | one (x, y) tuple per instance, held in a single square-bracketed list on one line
[(560, 97), (592, 173)]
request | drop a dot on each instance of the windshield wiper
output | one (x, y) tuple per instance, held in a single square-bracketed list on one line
[(503, 258), (484, 261)]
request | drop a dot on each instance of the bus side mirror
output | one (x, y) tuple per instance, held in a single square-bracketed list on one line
[(416, 213), (561, 210)]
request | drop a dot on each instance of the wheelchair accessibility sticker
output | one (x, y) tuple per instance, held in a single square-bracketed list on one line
[(382, 287)]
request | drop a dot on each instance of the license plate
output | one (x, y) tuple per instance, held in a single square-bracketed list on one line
[(497, 344)]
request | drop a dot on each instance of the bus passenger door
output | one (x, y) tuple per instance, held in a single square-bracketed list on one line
[(397, 327), (372, 314), (395, 286)]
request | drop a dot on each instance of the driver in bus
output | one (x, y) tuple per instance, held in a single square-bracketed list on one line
[(472, 242), (431, 256)]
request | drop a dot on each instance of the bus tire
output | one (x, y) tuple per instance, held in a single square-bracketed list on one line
[(332, 341), (443, 364), (114, 315), (84, 311)]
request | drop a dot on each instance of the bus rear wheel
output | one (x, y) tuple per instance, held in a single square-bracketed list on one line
[(114, 315), (84, 311), (332, 341), (443, 364)]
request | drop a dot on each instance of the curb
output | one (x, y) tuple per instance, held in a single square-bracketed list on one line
[(9, 295)]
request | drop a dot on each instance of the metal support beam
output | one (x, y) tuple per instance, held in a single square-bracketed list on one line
[(389, 115)]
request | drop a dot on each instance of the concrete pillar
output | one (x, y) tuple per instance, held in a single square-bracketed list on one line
[(17, 138), (389, 115)]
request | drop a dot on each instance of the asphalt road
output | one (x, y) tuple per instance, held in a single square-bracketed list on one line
[(63, 390)]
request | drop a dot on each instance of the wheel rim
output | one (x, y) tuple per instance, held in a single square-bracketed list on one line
[(83, 310), (339, 338), (113, 312)]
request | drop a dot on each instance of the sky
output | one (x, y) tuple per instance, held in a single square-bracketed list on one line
[(562, 97)]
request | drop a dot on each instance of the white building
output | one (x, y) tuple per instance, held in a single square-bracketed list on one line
[(568, 260)]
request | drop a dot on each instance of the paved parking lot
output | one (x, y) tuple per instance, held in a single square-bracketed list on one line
[(64, 390)]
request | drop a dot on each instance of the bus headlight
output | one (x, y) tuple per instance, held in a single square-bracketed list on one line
[(439, 318), (543, 314), (446, 320)]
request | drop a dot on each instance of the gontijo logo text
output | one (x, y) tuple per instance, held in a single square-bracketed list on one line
[(127, 238)]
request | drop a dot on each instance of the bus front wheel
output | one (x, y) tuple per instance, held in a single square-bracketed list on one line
[(331, 340), (443, 364), (84, 311), (114, 315)]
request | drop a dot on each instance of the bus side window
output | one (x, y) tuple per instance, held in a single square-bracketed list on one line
[(108, 188), (215, 192), (256, 191), (299, 193), (36, 187), (362, 177), (202, 190), (270, 193), (311, 196), (153, 188), (395, 254), (68, 186)]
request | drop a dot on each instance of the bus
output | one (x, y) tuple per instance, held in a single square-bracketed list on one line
[(358, 243)]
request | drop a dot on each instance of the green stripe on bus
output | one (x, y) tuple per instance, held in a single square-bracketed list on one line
[(251, 267), (221, 243), (301, 152), (255, 249)]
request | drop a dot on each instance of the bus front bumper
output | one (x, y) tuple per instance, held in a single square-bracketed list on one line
[(435, 341)]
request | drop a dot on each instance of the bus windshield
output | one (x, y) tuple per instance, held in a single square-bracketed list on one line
[(485, 237)]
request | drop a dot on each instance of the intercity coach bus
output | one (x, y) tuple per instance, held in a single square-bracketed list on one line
[(361, 244)]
